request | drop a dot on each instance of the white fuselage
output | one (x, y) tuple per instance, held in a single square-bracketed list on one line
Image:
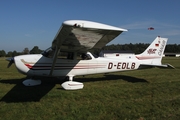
[(38, 65)]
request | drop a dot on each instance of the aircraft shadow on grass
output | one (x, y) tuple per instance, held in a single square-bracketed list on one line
[(112, 77), (21, 93)]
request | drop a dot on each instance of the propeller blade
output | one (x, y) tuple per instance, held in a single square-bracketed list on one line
[(11, 61)]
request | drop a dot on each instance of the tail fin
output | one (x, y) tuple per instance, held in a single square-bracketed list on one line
[(154, 52)]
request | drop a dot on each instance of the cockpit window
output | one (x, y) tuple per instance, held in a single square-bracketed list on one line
[(66, 55)]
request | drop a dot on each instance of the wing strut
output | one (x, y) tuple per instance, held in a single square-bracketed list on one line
[(54, 60)]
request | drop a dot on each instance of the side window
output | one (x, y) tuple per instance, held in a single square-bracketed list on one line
[(66, 55)]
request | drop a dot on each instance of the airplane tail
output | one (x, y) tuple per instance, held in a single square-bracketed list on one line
[(152, 56)]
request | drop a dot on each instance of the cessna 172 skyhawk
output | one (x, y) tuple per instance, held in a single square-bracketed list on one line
[(74, 39)]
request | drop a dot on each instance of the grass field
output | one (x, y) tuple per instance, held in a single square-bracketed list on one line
[(137, 95)]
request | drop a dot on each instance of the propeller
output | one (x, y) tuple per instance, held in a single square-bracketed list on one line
[(11, 61)]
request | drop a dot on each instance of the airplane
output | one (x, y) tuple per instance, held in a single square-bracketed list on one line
[(150, 28), (69, 55)]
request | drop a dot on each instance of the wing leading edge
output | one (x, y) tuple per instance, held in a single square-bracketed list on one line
[(80, 35)]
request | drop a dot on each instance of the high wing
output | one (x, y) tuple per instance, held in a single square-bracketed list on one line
[(81, 35)]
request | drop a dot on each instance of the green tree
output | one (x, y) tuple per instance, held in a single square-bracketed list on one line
[(35, 50), (25, 51), (9, 54), (14, 53), (2, 53)]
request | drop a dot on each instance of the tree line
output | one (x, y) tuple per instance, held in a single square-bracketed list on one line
[(34, 50), (135, 48), (140, 47)]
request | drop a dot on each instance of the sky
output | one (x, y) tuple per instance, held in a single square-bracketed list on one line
[(29, 23)]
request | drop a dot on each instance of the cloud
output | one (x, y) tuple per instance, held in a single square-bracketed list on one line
[(140, 28), (138, 32)]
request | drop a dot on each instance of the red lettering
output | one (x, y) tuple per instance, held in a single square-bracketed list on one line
[(128, 66), (110, 65), (133, 65), (119, 65), (123, 65)]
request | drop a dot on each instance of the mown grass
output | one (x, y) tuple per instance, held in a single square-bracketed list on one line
[(140, 95)]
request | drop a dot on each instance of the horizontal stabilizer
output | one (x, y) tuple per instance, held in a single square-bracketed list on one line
[(170, 66), (167, 66)]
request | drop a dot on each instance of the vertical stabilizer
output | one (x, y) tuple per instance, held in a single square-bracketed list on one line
[(155, 51)]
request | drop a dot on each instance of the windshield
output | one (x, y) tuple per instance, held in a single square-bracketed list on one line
[(48, 52), (95, 56)]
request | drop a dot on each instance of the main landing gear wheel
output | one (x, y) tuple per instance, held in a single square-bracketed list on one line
[(70, 85)]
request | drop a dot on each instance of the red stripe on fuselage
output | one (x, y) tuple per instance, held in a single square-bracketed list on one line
[(39, 67)]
